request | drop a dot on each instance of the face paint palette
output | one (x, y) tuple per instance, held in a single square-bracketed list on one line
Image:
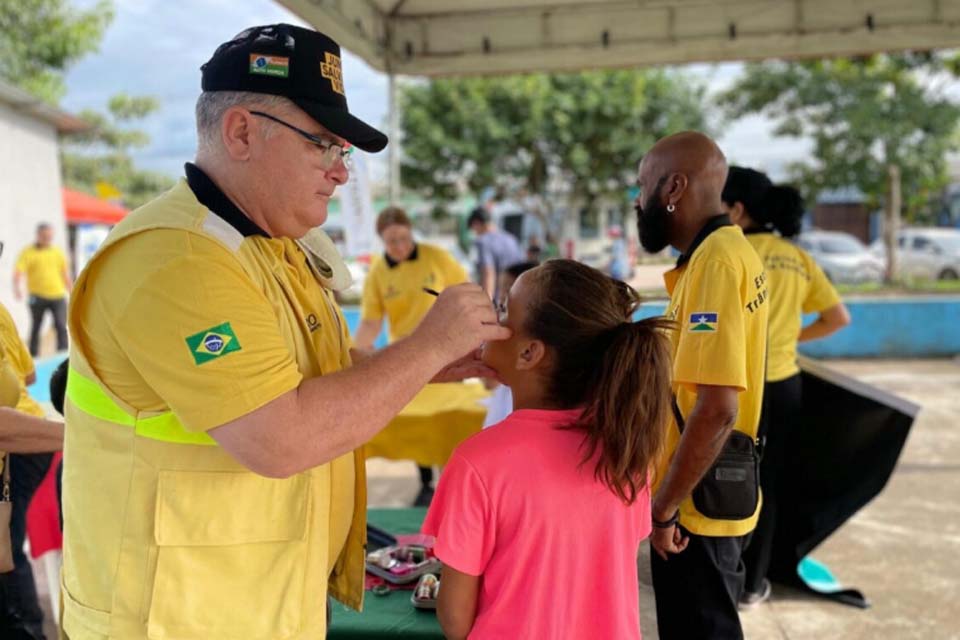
[(425, 595), (402, 564)]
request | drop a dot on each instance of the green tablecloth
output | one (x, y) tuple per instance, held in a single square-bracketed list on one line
[(390, 616)]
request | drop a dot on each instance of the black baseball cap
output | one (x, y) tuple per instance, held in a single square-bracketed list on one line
[(297, 63)]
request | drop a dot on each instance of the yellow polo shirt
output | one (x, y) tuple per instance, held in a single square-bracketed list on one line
[(718, 300), (16, 354), (395, 290), (44, 269), (799, 286)]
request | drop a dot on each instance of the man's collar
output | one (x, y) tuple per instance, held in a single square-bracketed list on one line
[(394, 264), (210, 196), (714, 223)]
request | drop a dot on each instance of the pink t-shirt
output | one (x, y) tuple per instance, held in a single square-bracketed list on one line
[(556, 548)]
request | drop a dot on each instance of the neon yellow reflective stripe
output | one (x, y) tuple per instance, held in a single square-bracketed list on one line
[(86, 395), (166, 427)]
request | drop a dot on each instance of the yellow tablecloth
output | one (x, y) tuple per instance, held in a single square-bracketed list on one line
[(429, 428)]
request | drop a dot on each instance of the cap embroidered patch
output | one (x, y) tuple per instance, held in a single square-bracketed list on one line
[(278, 66), (331, 70), (704, 321), (213, 343)]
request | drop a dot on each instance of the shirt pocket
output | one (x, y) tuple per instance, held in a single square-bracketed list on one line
[(231, 556)]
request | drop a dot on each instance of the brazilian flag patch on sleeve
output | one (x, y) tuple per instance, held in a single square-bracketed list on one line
[(213, 343)]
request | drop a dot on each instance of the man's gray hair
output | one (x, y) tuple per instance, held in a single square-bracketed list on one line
[(211, 105)]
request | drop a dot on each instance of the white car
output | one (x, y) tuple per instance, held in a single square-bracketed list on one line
[(842, 257), (925, 253)]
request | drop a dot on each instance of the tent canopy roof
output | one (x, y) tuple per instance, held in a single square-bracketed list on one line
[(470, 37), (81, 208)]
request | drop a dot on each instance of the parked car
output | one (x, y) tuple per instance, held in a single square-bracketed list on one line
[(925, 253), (842, 257)]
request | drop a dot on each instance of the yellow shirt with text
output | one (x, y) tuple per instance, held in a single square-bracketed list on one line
[(718, 300), (395, 291), (798, 286)]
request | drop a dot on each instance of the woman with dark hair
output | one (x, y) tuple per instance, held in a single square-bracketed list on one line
[(539, 519), (770, 216)]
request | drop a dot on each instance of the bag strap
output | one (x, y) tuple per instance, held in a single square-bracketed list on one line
[(764, 414), (5, 497), (677, 416)]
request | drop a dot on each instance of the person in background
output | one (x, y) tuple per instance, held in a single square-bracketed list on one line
[(525, 509), (718, 298), (496, 250), (48, 282), (534, 251), (619, 259), (501, 402), (394, 289), (770, 216), (24, 431)]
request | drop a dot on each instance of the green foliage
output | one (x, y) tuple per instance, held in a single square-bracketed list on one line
[(102, 154), (863, 114), (585, 130), (39, 39)]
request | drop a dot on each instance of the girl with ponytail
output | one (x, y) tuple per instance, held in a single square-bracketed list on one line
[(539, 519), (770, 216)]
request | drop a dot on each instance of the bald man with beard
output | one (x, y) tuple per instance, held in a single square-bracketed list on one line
[(706, 496)]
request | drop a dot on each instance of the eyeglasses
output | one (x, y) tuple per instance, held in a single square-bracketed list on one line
[(330, 152)]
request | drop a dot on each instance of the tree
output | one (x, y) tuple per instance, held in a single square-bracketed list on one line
[(864, 115), (102, 154), (39, 39), (585, 131)]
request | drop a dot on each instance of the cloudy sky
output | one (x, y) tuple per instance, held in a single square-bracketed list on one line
[(155, 47)]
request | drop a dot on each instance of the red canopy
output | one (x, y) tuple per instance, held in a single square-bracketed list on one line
[(82, 208)]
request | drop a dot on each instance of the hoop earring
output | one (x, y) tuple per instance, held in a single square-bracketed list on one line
[(671, 208)]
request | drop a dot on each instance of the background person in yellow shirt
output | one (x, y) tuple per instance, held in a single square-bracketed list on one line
[(718, 304), (394, 290), (48, 282), (771, 215)]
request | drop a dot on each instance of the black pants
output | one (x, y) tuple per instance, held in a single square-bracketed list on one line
[(783, 405), (698, 589), (426, 475), (38, 308), (20, 615)]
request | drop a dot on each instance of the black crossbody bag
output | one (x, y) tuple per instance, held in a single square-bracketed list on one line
[(730, 490)]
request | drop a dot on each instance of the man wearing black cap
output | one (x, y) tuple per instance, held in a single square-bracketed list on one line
[(213, 485)]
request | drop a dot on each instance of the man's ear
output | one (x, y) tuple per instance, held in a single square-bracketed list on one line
[(236, 129), (531, 355), (676, 187)]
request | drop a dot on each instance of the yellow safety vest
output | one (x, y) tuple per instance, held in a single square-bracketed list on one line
[(167, 537)]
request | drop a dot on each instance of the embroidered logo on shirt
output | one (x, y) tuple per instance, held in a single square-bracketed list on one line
[(704, 321), (312, 322), (213, 343)]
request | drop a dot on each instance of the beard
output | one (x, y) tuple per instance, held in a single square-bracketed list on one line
[(653, 223)]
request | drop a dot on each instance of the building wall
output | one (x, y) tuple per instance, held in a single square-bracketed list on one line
[(902, 327), (29, 194), (851, 218)]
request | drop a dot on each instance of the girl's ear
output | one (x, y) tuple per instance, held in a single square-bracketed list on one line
[(531, 355)]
